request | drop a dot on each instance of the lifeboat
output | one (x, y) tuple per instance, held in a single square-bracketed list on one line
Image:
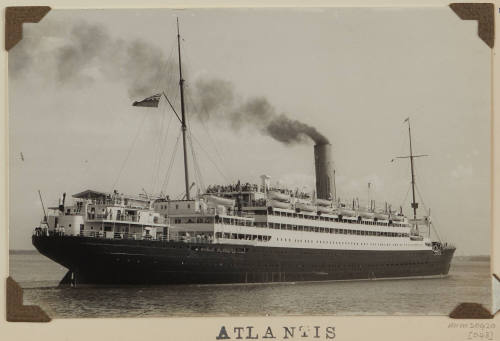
[(381, 216), (421, 221), (397, 217), (324, 209), (275, 195), (302, 206), (219, 201), (278, 204), (346, 212), (366, 214), (323, 202)]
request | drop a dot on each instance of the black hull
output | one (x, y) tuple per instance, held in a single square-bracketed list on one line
[(116, 261)]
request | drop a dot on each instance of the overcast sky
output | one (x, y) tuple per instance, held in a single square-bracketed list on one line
[(353, 74)]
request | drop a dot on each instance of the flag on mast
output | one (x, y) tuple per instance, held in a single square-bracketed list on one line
[(406, 120), (151, 102)]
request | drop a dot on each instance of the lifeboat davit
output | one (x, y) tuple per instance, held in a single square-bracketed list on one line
[(219, 201), (278, 204), (275, 195), (323, 202), (302, 206), (323, 209)]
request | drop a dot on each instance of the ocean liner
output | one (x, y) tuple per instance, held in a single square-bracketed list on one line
[(238, 233)]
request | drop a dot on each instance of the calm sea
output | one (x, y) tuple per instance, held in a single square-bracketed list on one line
[(469, 281)]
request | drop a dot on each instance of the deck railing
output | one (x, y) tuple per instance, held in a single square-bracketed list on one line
[(125, 235), (132, 219), (141, 236), (119, 235)]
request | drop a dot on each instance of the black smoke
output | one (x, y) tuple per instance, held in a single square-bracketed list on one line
[(216, 99), (79, 56)]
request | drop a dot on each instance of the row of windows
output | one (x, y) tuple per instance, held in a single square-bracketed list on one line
[(301, 266), (331, 219), (219, 249), (277, 226), (234, 221), (290, 227), (194, 220), (338, 242), (164, 207), (210, 220), (242, 236), (278, 266)]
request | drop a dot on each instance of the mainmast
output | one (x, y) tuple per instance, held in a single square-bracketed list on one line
[(183, 115), (414, 204)]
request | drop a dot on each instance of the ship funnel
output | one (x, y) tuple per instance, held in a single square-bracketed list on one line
[(324, 170)]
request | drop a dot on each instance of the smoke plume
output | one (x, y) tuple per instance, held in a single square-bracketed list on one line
[(84, 53), (78, 56), (217, 100)]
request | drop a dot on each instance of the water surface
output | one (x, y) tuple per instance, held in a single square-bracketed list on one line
[(469, 281)]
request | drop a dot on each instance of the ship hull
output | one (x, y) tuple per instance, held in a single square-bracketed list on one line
[(116, 261)]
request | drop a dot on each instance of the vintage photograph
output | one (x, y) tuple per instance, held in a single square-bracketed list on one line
[(250, 162)]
